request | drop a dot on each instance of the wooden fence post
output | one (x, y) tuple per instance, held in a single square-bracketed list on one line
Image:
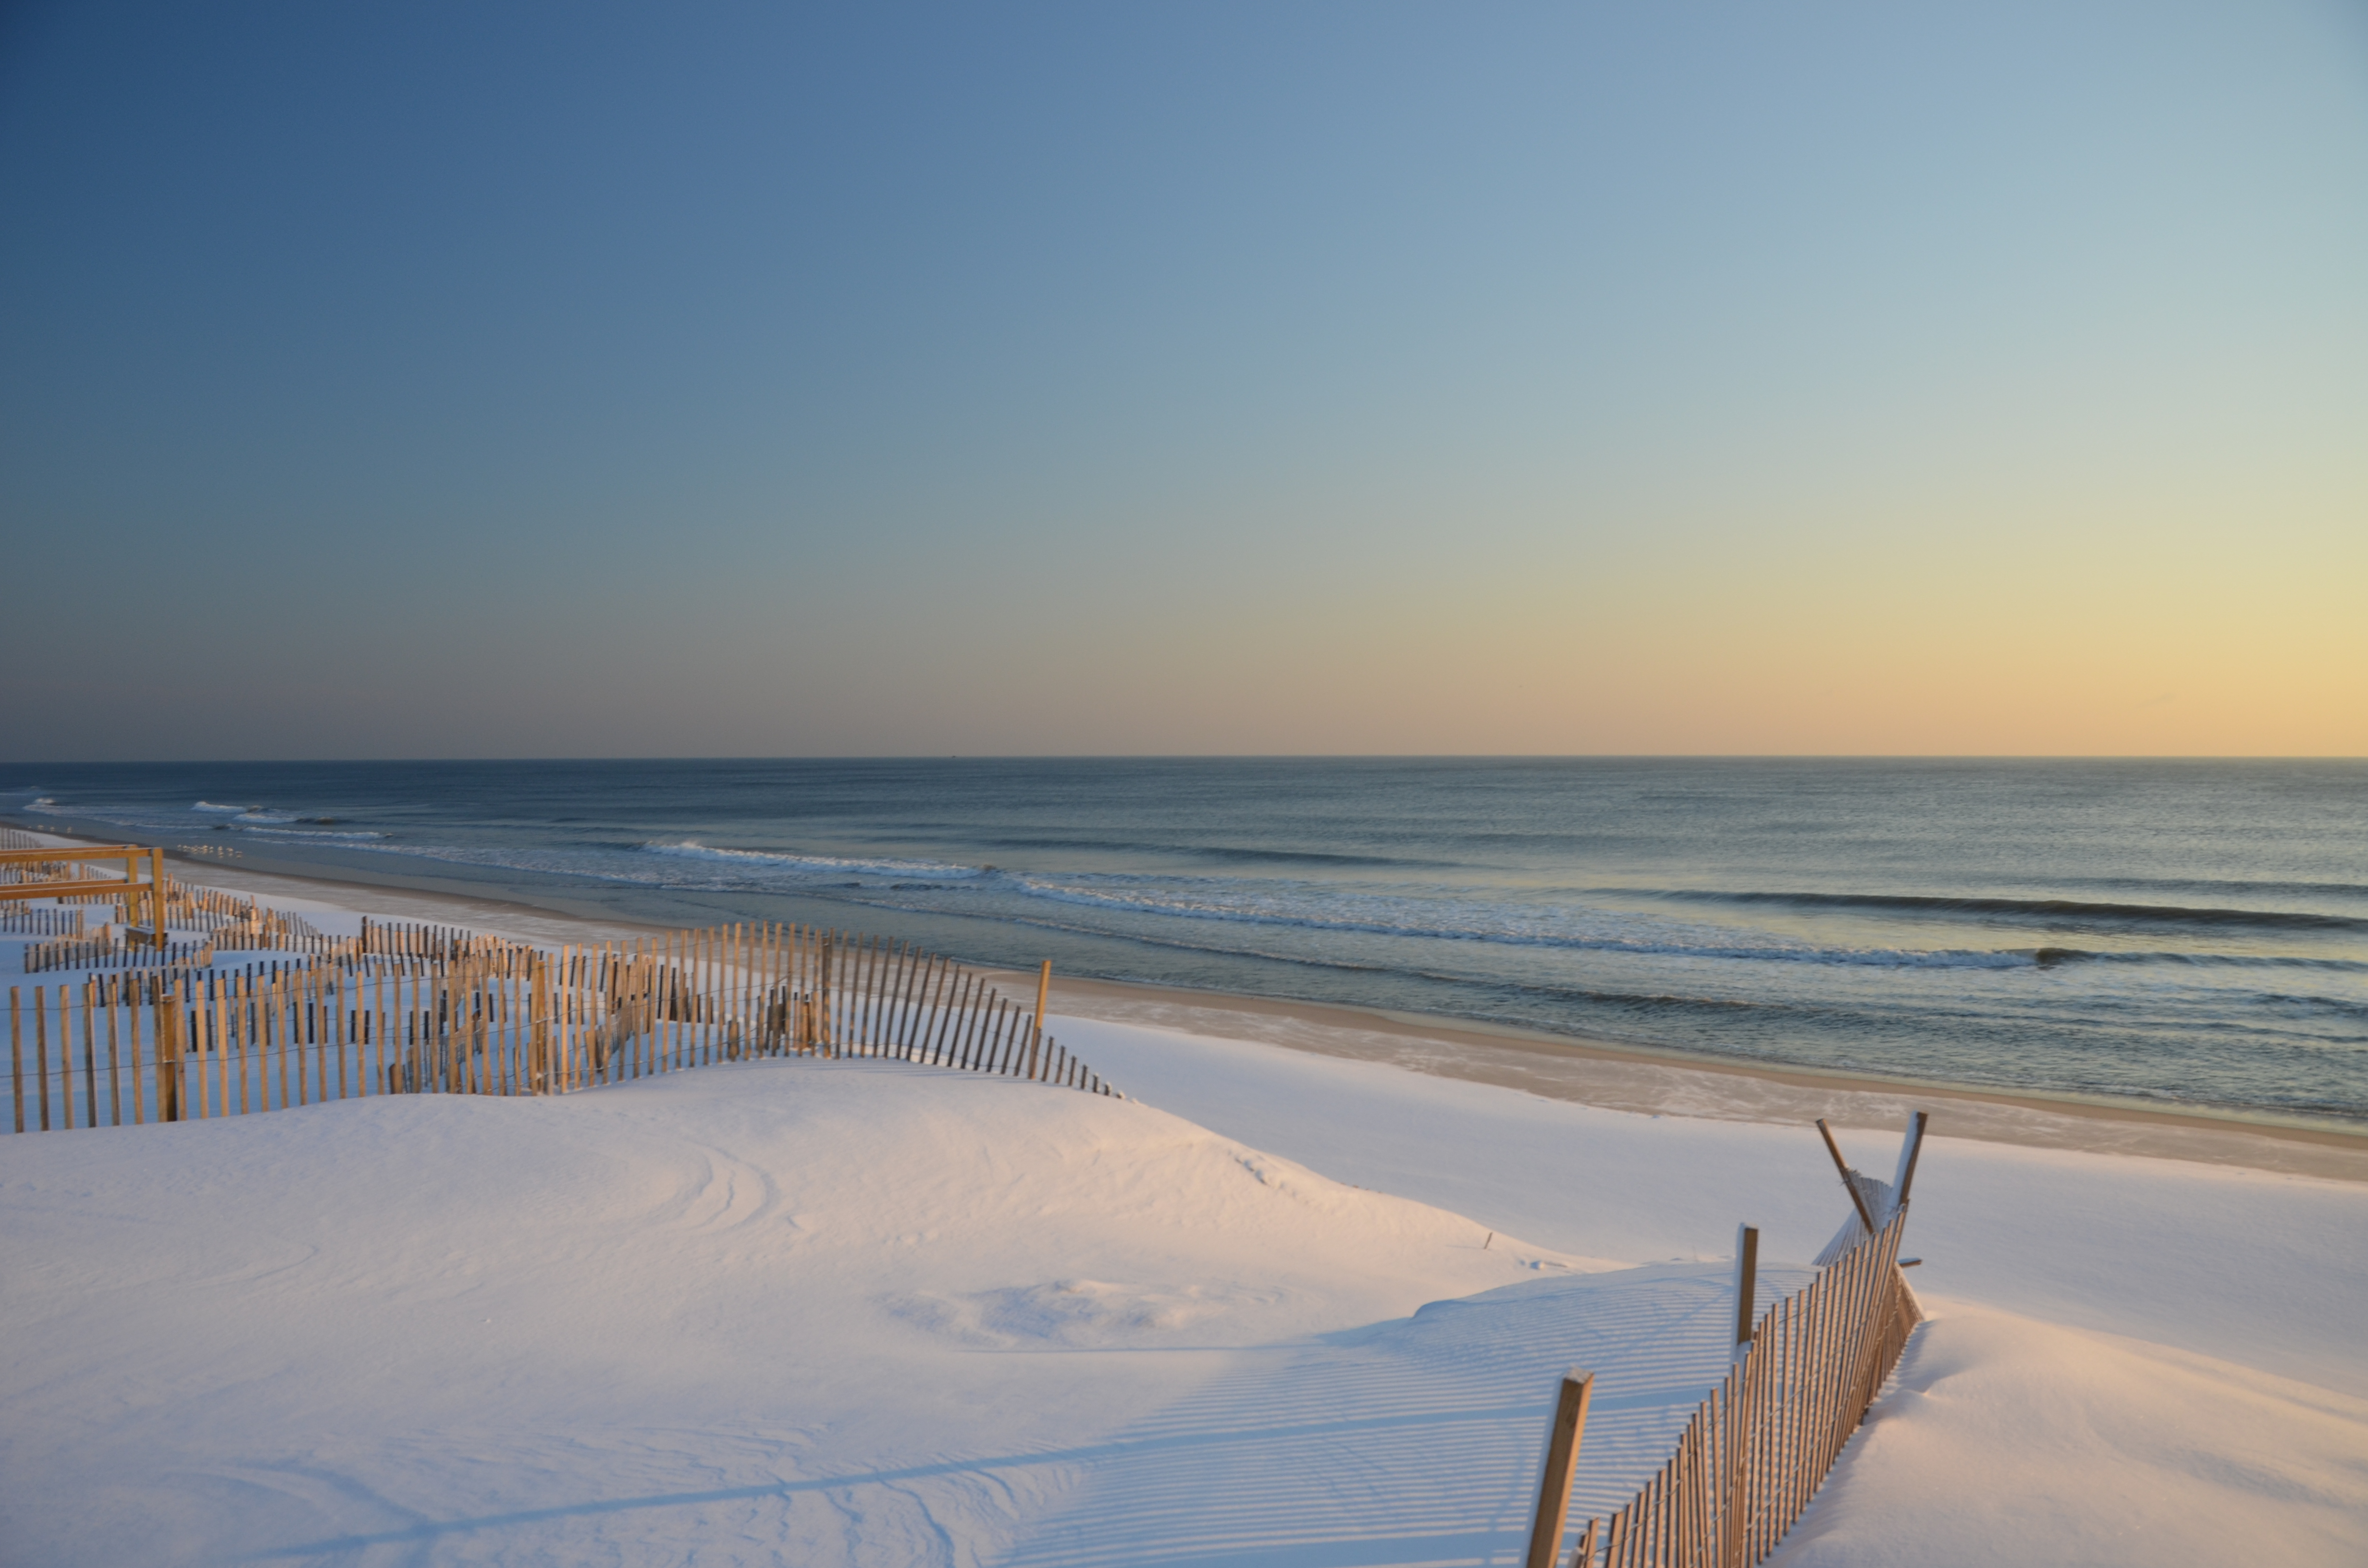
[(538, 1068), (1746, 1271), (1856, 1201), (168, 1052), (1043, 997), (1562, 1454), (1910, 1149)]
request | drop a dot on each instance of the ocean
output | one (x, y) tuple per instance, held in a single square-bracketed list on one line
[(2176, 933)]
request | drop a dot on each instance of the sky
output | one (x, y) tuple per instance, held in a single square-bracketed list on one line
[(496, 379)]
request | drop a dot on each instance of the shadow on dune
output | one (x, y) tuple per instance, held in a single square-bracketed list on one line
[(1412, 1441), (1415, 1441)]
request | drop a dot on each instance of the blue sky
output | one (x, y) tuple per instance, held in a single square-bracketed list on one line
[(502, 380)]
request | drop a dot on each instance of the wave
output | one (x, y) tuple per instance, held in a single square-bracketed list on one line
[(242, 814), (1721, 1007), (2048, 958), (2221, 888), (1882, 957), (824, 865), (1223, 854), (306, 833), (1299, 858), (2024, 909)]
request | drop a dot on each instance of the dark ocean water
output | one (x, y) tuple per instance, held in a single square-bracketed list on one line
[(2192, 932)]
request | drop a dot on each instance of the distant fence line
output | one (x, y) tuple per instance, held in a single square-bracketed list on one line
[(234, 924), (23, 873), (406, 1009), (114, 952), (23, 922)]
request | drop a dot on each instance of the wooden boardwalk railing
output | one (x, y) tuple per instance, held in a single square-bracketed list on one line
[(398, 1010)]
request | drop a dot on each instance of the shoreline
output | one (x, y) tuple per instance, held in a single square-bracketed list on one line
[(1626, 1078), (1596, 1072)]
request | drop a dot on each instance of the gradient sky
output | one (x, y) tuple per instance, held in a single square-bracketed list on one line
[(486, 379)]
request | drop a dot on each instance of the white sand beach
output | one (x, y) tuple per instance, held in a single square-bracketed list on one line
[(1300, 1301)]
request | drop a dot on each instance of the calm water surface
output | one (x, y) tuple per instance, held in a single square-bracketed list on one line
[(2191, 932)]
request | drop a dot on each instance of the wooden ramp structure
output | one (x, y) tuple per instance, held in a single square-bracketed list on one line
[(48, 871)]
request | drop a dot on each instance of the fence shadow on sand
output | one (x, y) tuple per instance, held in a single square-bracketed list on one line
[(1413, 1441)]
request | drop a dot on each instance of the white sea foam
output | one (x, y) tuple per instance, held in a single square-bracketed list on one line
[(307, 833), (210, 806), (821, 865)]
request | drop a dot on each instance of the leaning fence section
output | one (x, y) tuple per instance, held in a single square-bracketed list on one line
[(1755, 1450), (434, 1010), (1758, 1446)]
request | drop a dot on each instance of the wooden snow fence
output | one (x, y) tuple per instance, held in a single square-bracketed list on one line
[(264, 929), (485, 1016), (232, 924), (1755, 1450), (115, 952), (205, 909), (40, 922)]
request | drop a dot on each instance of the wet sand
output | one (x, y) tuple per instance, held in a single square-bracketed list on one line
[(1620, 1078)]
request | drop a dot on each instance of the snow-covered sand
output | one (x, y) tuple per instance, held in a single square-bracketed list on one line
[(820, 1312)]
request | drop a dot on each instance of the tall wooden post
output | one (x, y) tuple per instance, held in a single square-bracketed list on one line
[(540, 1072), (156, 893), (1910, 1148), (1043, 999), (168, 1052), (1746, 1279), (1856, 1200), (1562, 1456)]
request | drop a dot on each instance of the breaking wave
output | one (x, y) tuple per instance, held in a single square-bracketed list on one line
[(2037, 910), (311, 834), (818, 865)]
